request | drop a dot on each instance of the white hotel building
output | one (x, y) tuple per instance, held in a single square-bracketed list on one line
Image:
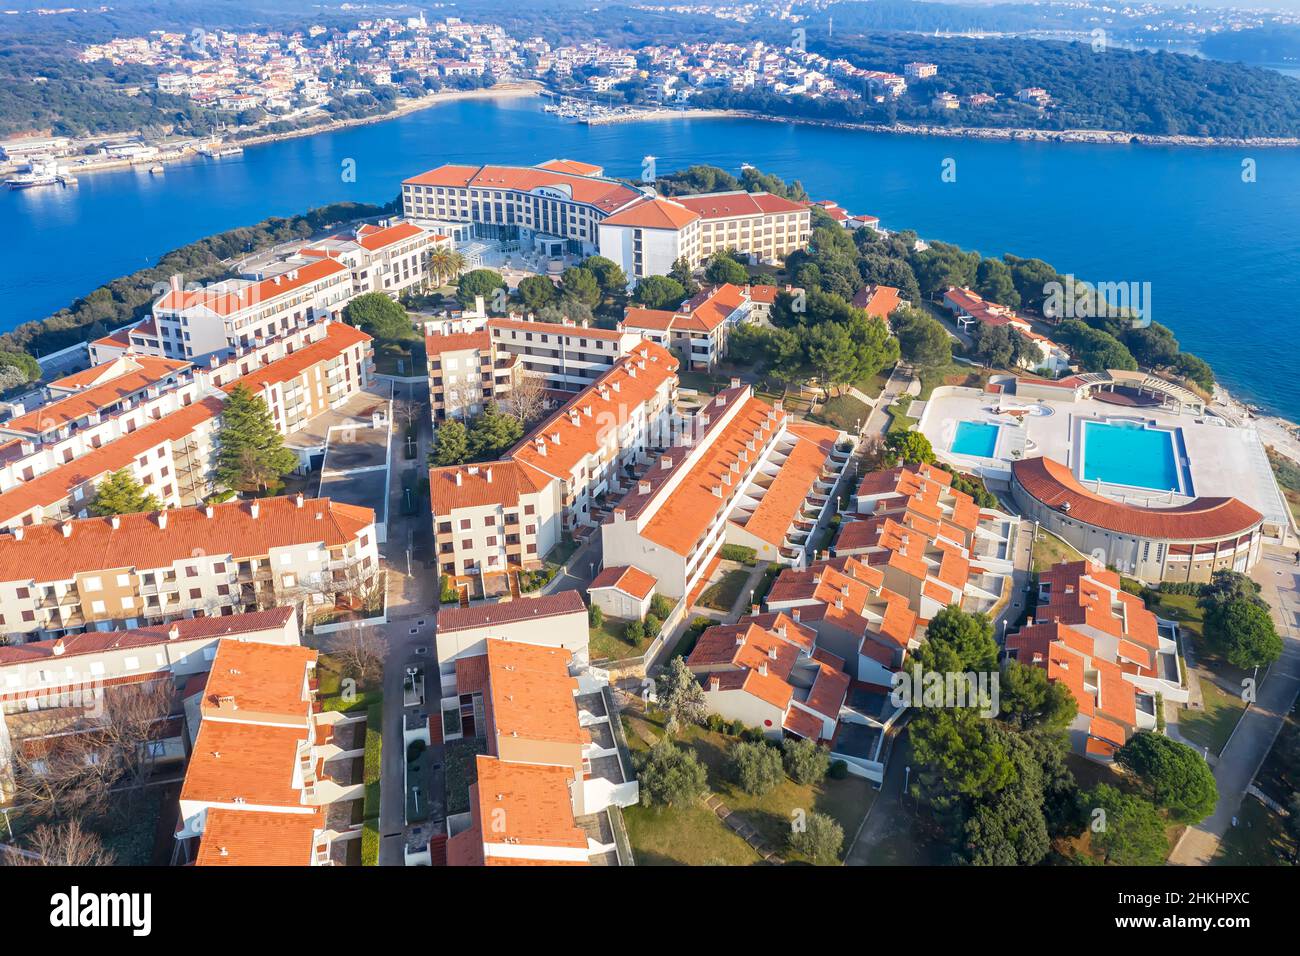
[(563, 207)]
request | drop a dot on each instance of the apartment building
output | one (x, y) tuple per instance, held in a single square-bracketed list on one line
[(770, 677), (146, 569), (932, 543), (567, 357), (556, 620), (313, 378), (270, 781), (550, 208), (495, 515), (391, 257), (168, 446), (216, 319), (551, 757), (466, 372), (698, 330), (51, 688), (853, 615), (969, 309), (650, 235), (1117, 658), (737, 470)]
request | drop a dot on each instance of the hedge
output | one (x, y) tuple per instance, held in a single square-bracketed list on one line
[(374, 758), (738, 552), (370, 843)]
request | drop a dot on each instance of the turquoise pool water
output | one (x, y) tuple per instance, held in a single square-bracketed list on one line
[(1128, 453), (978, 439)]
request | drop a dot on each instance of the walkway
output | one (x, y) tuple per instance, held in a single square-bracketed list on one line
[(1250, 743)]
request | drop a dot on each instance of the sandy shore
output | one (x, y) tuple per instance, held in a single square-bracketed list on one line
[(1105, 137), (1279, 433)]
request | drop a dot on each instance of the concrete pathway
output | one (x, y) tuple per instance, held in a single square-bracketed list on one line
[(1253, 737)]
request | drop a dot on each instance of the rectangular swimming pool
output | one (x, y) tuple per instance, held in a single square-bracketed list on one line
[(978, 439), (1129, 453)]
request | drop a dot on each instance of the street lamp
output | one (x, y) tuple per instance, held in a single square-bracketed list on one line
[(907, 777)]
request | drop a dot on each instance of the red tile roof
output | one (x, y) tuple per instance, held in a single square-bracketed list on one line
[(139, 541), (231, 299), (339, 337), (510, 612), (728, 204), (56, 485), (258, 838), (628, 579), (1055, 486), (653, 213), (89, 396), (606, 195)]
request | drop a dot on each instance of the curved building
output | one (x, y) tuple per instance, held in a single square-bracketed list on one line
[(1187, 542)]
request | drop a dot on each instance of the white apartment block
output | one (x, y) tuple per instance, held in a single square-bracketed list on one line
[(567, 357), (221, 317), (151, 568)]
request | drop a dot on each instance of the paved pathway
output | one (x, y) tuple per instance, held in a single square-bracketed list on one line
[(1250, 743)]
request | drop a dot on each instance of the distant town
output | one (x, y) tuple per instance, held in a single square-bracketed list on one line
[(551, 518)]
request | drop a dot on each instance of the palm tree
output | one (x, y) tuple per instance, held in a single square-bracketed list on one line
[(445, 263)]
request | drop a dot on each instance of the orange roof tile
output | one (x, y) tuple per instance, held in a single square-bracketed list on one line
[(249, 763), (259, 679), (606, 195), (504, 483), (94, 397), (532, 693), (339, 337), (258, 838), (628, 579), (139, 542), (1204, 518), (653, 213), (228, 298)]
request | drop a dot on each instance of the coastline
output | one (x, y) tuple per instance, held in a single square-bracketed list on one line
[(183, 151), (1095, 137)]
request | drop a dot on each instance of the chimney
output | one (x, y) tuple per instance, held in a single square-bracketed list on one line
[(735, 382), (665, 462), (762, 669), (459, 480), (620, 514), (58, 647), (173, 632), (209, 511), (298, 499), (715, 684), (162, 520), (794, 613), (740, 639), (254, 508), (555, 437), (226, 702), (643, 487), (116, 521), (487, 475), (18, 533), (66, 528), (176, 282), (771, 652), (753, 609)]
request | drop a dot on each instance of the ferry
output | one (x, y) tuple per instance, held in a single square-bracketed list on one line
[(217, 151), (38, 173)]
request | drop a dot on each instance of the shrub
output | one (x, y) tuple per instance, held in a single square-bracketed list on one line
[(595, 616), (820, 839), (670, 775), (805, 761), (414, 749), (756, 767), (737, 727), (370, 843), (653, 625), (661, 606), (738, 552), (634, 633), (716, 723), (839, 770)]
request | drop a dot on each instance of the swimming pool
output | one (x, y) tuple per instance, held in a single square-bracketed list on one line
[(1130, 453), (978, 439)]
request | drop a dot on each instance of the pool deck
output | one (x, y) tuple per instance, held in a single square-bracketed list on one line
[(1223, 461)]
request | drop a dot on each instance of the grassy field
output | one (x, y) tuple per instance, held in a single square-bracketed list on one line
[(722, 595), (1050, 550), (691, 836), (955, 373), (609, 641), (1258, 839), (873, 385), (1211, 726), (403, 357), (844, 412), (899, 420)]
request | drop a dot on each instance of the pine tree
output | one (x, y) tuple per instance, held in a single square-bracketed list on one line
[(251, 454), (452, 445), (493, 433), (121, 494)]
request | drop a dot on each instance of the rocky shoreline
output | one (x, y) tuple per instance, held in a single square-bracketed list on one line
[(1104, 137)]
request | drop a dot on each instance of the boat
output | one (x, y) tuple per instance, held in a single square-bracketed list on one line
[(216, 150), (39, 173), (157, 168)]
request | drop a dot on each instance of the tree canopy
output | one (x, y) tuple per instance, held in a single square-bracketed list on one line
[(250, 453), (120, 493)]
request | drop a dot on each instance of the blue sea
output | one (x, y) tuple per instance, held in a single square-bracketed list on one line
[(1221, 253)]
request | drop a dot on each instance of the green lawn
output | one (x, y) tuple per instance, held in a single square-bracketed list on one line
[(844, 412), (873, 385), (955, 373), (701, 381), (722, 595), (684, 836), (899, 420), (608, 641), (1050, 550), (1258, 839), (1212, 726)]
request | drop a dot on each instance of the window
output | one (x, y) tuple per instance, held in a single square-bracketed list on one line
[(290, 580), (132, 663), (94, 583), (196, 593), (97, 607), (124, 580)]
